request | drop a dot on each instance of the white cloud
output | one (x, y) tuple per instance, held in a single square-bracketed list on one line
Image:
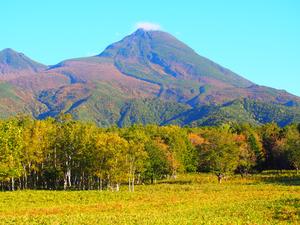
[(147, 26)]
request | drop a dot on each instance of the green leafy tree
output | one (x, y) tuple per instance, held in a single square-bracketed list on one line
[(292, 146), (219, 153), (158, 164), (10, 150), (113, 150)]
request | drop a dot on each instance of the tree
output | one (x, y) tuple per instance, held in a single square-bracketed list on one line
[(34, 150), (294, 154), (246, 155), (292, 145), (136, 155), (273, 144), (158, 164), (256, 146), (112, 151), (251, 155), (10, 150), (219, 153)]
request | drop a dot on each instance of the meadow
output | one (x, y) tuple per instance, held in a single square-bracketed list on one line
[(268, 198)]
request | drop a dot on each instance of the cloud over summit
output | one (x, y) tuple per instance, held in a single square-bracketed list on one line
[(147, 26)]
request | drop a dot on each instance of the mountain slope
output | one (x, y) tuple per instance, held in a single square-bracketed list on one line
[(162, 54), (160, 58), (147, 77), (183, 75)]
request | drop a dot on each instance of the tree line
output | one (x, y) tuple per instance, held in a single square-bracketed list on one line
[(60, 153)]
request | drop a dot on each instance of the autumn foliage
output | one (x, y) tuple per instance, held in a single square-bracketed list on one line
[(65, 154)]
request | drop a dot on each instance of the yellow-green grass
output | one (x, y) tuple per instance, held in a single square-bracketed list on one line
[(190, 199)]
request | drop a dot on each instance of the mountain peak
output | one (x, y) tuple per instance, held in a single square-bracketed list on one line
[(13, 61), (156, 55), (7, 51), (141, 32), (155, 34)]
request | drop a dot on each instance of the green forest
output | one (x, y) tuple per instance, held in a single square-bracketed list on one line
[(64, 154)]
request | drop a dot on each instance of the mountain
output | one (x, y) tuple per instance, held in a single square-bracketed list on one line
[(159, 57), (15, 62), (147, 77)]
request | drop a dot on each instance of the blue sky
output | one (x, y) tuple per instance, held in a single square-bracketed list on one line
[(258, 39)]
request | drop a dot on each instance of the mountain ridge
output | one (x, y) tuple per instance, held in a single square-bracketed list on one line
[(147, 77)]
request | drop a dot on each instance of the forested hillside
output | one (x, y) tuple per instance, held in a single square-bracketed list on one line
[(62, 153)]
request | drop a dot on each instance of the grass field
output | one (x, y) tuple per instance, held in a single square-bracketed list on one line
[(267, 198)]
